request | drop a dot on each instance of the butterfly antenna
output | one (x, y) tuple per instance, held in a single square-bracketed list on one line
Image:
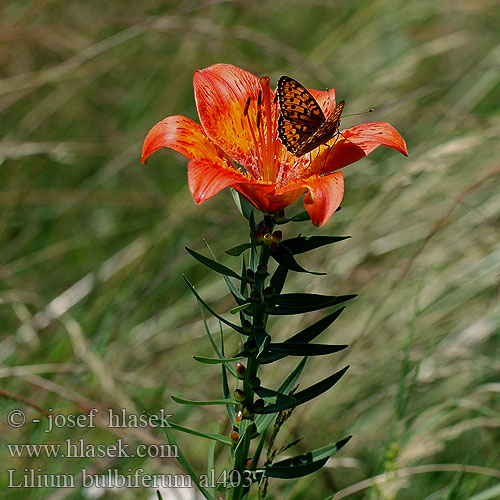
[(371, 110)]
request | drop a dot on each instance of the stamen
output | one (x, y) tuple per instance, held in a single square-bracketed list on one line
[(258, 151), (270, 142), (247, 105), (258, 118), (259, 99)]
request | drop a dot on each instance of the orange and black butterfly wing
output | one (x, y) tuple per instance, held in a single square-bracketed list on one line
[(324, 133), (301, 116)]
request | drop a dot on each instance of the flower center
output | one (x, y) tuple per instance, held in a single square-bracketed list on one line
[(264, 132)]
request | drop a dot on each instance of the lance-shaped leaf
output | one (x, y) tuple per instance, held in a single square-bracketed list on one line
[(242, 204), (301, 349), (302, 244), (216, 361), (263, 421), (309, 393), (299, 303), (239, 249), (211, 457), (234, 291), (214, 265), (302, 465), (186, 465), (241, 453), (205, 403), (278, 279), (207, 435), (210, 310), (300, 217), (308, 334), (283, 255), (214, 345), (272, 396)]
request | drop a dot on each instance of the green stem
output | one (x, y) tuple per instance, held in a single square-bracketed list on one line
[(260, 318)]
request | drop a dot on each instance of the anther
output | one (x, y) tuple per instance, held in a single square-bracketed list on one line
[(247, 105)]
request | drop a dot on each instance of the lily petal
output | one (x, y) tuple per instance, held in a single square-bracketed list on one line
[(356, 143), (326, 99), (221, 93), (206, 178), (269, 199), (324, 196), (181, 134)]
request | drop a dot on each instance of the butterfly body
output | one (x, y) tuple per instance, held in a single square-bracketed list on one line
[(302, 125)]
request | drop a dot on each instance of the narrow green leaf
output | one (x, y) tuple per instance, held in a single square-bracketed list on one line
[(242, 204), (230, 409), (158, 494), (300, 217), (234, 291), (308, 334), (216, 361), (302, 244), (212, 341), (214, 265), (210, 310), (301, 349), (307, 463), (299, 303), (241, 453), (211, 456), (242, 307), (278, 279), (273, 396), (187, 467), (309, 393), (220, 438), (282, 255), (295, 470), (238, 250), (263, 421), (204, 403)]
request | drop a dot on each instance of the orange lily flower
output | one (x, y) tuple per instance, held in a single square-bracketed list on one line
[(237, 145)]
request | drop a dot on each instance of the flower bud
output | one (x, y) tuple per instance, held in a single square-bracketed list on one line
[(239, 395), (234, 436), (255, 296), (263, 356), (240, 370), (247, 326), (250, 276), (238, 417), (249, 463), (250, 346), (268, 292), (258, 405), (248, 412), (262, 269), (268, 239), (258, 324), (258, 237), (254, 382), (277, 236), (254, 431)]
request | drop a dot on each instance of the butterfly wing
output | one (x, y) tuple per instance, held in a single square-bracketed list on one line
[(301, 116), (324, 133)]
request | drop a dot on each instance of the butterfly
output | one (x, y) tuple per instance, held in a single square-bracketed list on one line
[(302, 125)]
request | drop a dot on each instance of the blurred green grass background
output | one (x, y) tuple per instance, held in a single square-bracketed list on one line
[(93, 310)]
